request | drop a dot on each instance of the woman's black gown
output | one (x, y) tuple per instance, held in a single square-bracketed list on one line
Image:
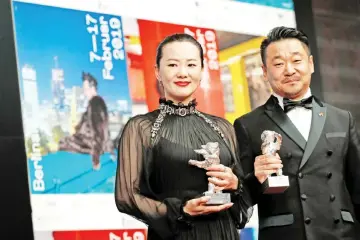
[(154, 178)]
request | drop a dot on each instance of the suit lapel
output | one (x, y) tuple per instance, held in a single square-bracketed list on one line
[(275, 112), (317, 125)]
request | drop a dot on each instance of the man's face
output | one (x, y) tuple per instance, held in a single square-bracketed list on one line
[(288, 68), (88, 89)]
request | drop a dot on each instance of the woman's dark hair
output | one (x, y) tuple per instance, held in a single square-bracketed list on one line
[(178, 37)]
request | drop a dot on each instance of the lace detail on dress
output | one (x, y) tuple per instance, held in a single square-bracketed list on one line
[(182, 110), (167, 107)]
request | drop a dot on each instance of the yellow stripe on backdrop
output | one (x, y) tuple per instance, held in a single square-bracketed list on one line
[(233, 58)]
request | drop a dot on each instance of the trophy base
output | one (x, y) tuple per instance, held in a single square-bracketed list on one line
[(276, 184), (218, 198)]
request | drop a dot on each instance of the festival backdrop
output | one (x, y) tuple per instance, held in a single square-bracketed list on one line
[(83, 73)]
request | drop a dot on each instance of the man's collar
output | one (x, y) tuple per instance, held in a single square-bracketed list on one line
[(280, 98)]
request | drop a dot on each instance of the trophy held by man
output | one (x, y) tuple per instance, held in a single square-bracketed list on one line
[(271, 143)]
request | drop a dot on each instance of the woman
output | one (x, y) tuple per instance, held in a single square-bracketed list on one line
[(155, 182)]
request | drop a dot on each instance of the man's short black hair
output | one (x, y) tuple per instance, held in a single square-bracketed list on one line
[(280, 33), (90, 78)]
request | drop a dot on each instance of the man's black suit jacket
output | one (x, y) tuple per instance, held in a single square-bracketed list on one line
[(323, 200)]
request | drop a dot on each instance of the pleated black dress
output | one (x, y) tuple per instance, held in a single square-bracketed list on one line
[(154, 178)]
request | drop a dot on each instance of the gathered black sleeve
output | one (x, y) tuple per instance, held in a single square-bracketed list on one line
[(242, 209), (164, 217)]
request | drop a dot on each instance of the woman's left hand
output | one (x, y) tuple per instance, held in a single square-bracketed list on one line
[(222, 177)]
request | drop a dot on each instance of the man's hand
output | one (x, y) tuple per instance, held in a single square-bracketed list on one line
[(265, 165)]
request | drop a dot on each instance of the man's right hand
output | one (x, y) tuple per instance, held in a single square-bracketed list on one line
[(197, 206), (265, 165)]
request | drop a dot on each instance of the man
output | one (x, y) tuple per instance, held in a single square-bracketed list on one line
[(92, 134), (320, 150)]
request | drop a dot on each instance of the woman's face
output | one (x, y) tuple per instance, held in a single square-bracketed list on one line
[(179, 71)]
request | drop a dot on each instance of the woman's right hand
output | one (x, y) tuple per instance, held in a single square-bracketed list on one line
[(197, 206)]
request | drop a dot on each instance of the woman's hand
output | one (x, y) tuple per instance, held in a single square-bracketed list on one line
[(222, 177), (197, 206)]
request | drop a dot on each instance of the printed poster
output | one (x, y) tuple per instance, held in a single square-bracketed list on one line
[(75, 97)]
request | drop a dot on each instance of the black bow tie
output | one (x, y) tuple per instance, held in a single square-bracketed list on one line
[(289, 104)]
